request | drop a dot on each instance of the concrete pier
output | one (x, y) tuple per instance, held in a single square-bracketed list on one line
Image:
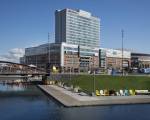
[(71, 99)]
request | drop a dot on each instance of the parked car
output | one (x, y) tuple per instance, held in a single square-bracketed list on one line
[(145, 70)]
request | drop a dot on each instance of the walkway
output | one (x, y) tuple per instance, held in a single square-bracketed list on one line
[(71, 99)]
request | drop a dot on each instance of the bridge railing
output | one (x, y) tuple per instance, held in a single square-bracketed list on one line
[(16, 68)]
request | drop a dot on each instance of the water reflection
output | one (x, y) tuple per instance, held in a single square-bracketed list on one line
[(123, 112), (16, 87), (27, 102)]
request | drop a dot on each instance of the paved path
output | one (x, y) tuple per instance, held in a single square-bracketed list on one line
[(71, 99)]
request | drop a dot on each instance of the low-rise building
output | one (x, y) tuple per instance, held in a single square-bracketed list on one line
[(65, 57), (140, 60), (112, 58)]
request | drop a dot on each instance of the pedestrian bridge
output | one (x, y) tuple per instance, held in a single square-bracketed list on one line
[(11, 68)]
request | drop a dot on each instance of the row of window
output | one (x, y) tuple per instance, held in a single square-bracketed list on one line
[(81, 18), (83, 28), (82, 35), (82, 32), (88, 23), (83, 25), (81, 49), (86, 39), (83, 41)]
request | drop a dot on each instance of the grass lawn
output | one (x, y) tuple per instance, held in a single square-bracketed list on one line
[(86, 82)]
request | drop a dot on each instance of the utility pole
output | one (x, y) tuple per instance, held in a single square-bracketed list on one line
[(49, 68), (70, 64), (122, 35), (36, 62), (93, 77), (79, 56)]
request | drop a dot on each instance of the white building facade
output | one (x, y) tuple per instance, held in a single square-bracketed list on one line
[(77, 27), (113, 58)]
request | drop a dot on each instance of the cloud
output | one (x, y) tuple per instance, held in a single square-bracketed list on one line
[(13, 55)]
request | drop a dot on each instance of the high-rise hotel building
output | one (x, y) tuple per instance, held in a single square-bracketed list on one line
[(76, 47), (77, 27)]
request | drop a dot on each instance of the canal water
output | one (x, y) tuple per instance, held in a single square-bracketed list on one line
[(27, 102)]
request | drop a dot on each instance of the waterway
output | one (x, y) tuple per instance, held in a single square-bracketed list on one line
[(27, 102)]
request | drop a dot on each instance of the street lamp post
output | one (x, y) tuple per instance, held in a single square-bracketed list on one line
[(122, 31), (49, 53), (71, 64), (93, 77)]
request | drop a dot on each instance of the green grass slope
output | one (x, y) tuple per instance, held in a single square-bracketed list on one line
[(86, 82)]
